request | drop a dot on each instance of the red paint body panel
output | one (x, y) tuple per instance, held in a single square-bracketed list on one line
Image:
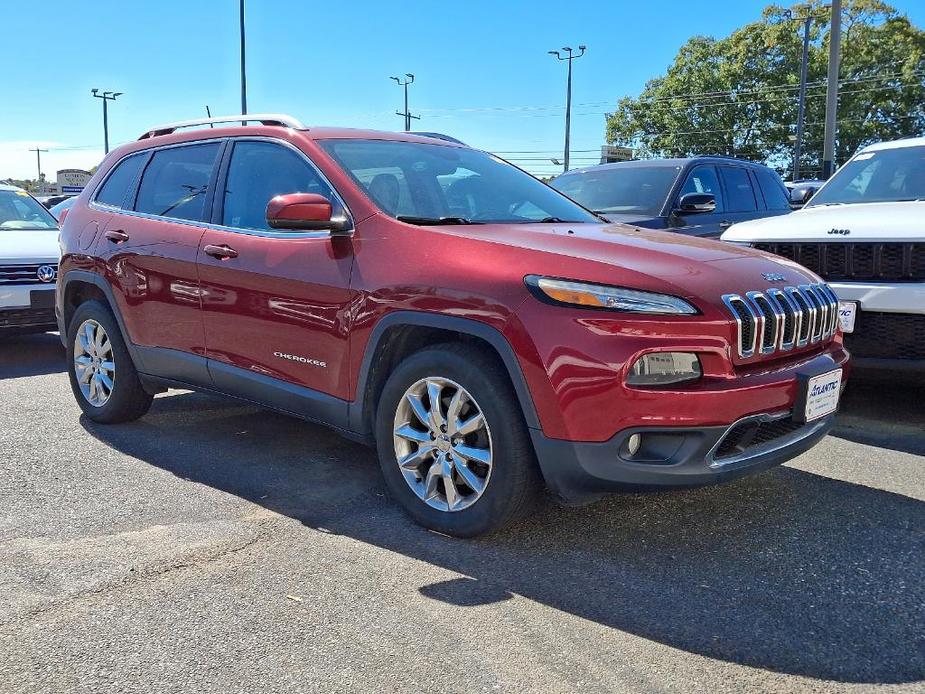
[(321, 298)]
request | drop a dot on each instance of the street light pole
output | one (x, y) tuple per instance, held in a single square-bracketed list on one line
[(106, 97), (38, 158), (568, 97), (831, 92), (409, 78), (243, 75)]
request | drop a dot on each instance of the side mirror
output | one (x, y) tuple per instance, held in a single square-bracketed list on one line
[(304, 211), (693, 203), (801, 196)]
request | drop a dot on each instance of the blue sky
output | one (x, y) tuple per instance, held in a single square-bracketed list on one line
[(482, 69)]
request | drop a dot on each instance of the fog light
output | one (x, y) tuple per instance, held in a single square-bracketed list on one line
[(664, 368), (632, 444)]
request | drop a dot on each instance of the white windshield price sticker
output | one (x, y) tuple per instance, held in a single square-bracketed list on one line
[(822, 394), (847, 313)]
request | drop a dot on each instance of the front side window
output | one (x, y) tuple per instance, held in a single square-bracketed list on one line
[(441, 184), (886, 175), (739, 191), (703, 179), (258, 172), (117, 185), (19, 210), (620, 189), (176, 181)]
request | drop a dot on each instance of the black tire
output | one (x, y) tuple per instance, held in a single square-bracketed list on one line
[(128, 400), (514, 484)]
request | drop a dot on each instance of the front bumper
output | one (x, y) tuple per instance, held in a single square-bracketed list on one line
[(580, 472), (27, 308)]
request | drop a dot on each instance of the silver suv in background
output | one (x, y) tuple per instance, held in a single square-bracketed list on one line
[(28, 263)]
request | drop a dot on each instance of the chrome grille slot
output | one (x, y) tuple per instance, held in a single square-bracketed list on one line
[(818, 312), (779, 319), (771, 322), (789, 311)]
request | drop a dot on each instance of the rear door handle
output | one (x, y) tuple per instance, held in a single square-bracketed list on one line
[(116, 235), (221, 252), (725, 225)]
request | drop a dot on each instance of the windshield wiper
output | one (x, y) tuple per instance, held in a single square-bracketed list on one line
[(434, 221)]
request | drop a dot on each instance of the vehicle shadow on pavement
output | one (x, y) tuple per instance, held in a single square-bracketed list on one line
[(786, 570), (886, 415), (30, 355)]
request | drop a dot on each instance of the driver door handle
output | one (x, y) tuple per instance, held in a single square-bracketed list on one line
[(116, 235), (221, 252)]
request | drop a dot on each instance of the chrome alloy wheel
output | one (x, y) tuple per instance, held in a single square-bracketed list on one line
[(442, 444), (93, 364)]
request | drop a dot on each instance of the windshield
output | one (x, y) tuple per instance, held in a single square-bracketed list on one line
[(438, 184), (621, 189), (886, 175), (19, 210)]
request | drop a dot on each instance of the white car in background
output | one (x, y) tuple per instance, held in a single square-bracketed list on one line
[(28, 263), (863, 232)]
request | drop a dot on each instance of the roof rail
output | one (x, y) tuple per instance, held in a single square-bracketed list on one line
[(719, 156), (263, 118)]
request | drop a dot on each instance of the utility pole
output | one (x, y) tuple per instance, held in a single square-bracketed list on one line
[(831, 92), (409, 78), (801, 109), (243, 75), (106, 97), (568, 97), (38, 158)]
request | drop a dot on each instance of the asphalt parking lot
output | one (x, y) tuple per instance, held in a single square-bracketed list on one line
[(212, 546)]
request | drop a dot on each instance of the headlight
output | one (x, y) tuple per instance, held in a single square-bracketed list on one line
[(664, 368), (601, 296)]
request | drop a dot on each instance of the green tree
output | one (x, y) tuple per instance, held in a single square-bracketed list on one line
[(738, 95)]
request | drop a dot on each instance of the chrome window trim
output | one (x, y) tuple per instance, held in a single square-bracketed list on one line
[(296, 234), (794, 437)]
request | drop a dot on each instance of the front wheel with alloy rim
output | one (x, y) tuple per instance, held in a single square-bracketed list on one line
[(452, 442), (101, 371)]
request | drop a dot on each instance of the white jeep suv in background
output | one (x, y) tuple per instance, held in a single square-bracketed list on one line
[(28, 263), (863, 232)]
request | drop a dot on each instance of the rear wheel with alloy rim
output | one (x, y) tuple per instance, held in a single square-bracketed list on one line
[(452, 442), (101, 372)]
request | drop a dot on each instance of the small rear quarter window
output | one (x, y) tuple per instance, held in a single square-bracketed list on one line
[(117, 185)]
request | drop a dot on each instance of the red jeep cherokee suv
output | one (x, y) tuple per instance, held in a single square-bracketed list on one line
[(489, 335)]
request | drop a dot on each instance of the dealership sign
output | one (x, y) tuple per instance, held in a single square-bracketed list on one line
[(72, 180)]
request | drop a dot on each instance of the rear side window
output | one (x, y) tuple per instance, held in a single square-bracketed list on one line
[(740, 196), (258, 172), (176, 181), (775, 195), (120, 181)]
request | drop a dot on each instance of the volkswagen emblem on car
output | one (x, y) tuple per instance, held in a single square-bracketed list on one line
[(46, 273), (773, 276)]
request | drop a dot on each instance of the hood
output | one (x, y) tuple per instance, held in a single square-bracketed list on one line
[(643, 259), (29, 246), (872, 221)]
